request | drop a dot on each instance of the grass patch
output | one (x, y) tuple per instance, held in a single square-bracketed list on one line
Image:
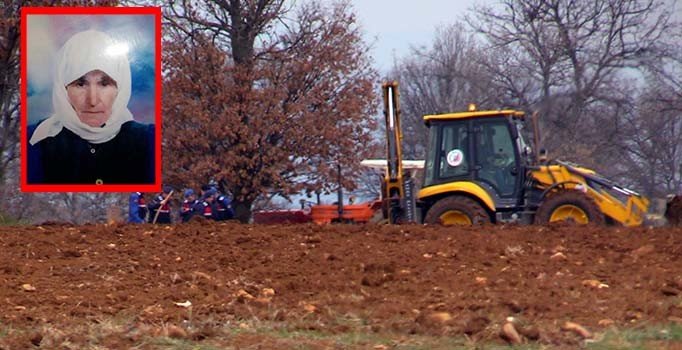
[(4, 330), (181, 344), (360, 339), (6, 220), (310, 334), (653, 337)]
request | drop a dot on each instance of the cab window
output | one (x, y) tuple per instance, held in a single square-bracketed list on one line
[(495, 155), (454, 151)]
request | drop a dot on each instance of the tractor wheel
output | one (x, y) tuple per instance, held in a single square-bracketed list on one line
[(569, 206), (457, 210)]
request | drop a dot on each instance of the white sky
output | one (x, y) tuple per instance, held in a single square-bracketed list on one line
[(392, 26)]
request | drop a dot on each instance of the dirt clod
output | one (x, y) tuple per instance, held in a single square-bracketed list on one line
[(605, 322), (440, 317), (28, 287), (530, 332), (577, 329), (476, 325), (558, 256), (643, 250), (173, 331), (670, 291), (510, 334), (243, 295), (36, 339)]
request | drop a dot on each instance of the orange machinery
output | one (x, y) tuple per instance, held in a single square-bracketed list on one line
[(356, 213)]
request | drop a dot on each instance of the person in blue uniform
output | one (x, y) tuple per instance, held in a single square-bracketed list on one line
[(91, 136), (187, 208), (137, 208), (162, 206), (205, 207), (223, 205), (204, 188)]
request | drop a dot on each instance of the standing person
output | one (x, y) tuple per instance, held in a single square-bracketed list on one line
[(91, 136), (223, 205), (160, 208), (187, 208), (206, 206), (137, 208), (203, 190)]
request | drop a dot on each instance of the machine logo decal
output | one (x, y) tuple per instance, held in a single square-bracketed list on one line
[(455, 157)]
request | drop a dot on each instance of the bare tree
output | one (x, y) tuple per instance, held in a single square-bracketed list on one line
[(243, 27), (654, 139), (9, 84), (443, 78), (80, 208), (573, 55)]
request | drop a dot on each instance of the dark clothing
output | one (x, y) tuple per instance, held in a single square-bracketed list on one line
[(164, 216), (137, 208), (223, 208), (204, 209), (66, 158), (187, 209), (142, 206)]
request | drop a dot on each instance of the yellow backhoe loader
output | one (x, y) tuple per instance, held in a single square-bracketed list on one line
[(479, 169)]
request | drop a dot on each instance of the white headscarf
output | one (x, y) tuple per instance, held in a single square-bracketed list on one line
[(84, 52)]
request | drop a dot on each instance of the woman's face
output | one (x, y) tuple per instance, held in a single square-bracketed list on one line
[(92, 97)]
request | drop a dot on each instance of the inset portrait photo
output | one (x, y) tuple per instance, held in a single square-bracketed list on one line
[(91, 99)]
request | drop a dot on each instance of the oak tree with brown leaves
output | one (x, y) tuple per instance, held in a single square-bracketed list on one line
[(263, 103)]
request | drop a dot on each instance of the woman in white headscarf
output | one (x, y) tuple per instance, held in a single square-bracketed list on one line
[(91, 138)]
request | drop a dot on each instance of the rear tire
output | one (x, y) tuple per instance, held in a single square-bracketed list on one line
[(569, 206), (457, 210)]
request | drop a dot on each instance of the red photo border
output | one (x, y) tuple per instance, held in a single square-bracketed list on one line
[(155, 11)]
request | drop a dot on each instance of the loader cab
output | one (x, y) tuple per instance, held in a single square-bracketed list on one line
[(480, 147)]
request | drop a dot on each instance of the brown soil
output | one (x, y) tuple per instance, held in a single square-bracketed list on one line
[(409, 280)]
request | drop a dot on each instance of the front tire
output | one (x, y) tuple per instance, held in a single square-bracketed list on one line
[(457, 210), (572, 206)]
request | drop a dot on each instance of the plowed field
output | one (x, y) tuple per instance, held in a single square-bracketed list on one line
[(99, 286)]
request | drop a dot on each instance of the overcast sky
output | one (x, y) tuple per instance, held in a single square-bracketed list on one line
[(393, 25)]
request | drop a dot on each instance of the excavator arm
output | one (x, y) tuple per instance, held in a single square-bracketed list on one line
[(398, 190)]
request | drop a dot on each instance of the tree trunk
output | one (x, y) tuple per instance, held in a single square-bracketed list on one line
[(242, 211)]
